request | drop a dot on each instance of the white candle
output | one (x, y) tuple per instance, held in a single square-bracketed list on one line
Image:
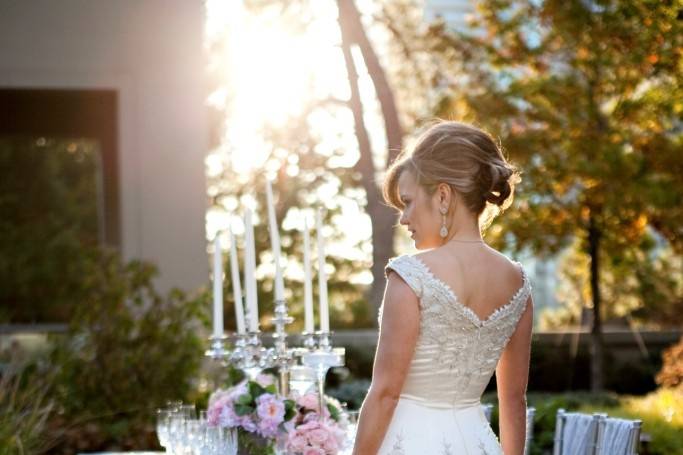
[(275, 243), (217, 286), (308, 288), (322, 279), (250, 273), (236, 287)]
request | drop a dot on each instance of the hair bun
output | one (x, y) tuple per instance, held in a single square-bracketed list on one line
[(500, 188)]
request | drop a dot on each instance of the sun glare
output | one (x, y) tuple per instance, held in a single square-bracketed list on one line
[(269, 71)]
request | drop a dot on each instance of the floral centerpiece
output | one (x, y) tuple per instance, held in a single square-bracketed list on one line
[(256, 410), (266, 420), (308, 434)]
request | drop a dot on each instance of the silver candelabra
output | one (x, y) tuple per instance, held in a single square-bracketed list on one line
[(252, 357)]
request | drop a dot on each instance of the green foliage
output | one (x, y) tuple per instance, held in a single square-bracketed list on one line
[(351, 392), (654, 410), (253, 444), (24, 408), (662, 416), (586, 97), (128, 350), (48, 206)]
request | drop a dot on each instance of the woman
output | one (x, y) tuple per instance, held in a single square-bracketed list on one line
[(451, 314)]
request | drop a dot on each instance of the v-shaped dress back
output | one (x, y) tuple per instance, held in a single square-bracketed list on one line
[(456, 354)]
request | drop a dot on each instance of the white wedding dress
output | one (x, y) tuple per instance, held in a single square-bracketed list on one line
[(439, 411)]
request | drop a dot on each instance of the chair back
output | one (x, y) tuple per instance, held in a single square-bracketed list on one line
[(618, 436), (530, 413), (576, 433)]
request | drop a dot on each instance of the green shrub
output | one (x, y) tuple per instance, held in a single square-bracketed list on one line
[(660, 411), (128, 350), (24, 408), (351, 392)]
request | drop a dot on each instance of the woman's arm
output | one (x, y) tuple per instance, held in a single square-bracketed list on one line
[(512, 374), (395, 348)]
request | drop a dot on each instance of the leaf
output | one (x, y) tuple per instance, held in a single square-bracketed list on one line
[(245, 399), (241, 409), (334, 411), (255, 389), (290, 409)]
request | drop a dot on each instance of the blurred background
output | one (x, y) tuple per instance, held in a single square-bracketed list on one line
[(133, 132)]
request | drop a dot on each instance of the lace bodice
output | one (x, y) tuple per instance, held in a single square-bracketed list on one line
[(456, 352)]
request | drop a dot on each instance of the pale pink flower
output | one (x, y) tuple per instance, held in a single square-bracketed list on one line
[(318, 436), (264, 380), (308, 401)]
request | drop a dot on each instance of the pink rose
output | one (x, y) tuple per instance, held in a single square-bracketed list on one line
[(264, 380), (314, 451), (318, 436), (309, 425), (331, 444), (309, 401), (297, 443), (311, 417)]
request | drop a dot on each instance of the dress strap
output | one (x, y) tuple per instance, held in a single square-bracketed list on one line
[(408, 270)]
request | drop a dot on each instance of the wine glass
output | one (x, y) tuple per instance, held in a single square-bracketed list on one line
[(227, 441), (322, 360), (163, 416), (301, 379)]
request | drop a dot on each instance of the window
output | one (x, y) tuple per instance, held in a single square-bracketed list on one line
[(58, 197)]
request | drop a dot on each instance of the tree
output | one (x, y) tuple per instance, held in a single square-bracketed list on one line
[(296, 141), (586, 96), (383, 217)]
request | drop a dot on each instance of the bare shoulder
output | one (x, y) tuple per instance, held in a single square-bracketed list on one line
[(510, 269), (464, 262)]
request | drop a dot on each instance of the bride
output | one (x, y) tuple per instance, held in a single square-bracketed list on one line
[(451, 314)]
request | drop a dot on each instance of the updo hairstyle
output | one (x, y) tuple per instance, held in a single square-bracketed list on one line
[(462, 156)]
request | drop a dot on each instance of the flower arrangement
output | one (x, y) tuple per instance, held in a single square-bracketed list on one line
[(310, 435), (256, 410), (263, 418)]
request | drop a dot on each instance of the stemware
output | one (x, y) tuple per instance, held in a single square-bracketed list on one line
[(163, 416), (321, 360), (301, 379)]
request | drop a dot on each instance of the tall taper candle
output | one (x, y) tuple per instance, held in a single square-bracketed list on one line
[(308, 287), (275, 243), (322, 278), (217, 286), (250, 272), (236, 287)]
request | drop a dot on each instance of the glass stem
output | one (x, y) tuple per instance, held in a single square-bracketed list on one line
[(321, 391)]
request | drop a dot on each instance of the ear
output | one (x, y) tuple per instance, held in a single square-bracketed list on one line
[(445, 194)]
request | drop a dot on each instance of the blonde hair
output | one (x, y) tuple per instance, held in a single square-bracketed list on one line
[(462, 156)]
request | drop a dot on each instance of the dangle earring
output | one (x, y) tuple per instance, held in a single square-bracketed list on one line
[(444, 230)]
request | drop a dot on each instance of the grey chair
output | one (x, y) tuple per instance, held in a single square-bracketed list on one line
[(576, 433), (530, 413), (618, 436)]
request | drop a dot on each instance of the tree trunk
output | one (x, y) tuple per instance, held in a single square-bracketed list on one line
[(351, 24), (597, 342), (382, 217)]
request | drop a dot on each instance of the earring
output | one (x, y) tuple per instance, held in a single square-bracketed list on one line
[(444, 230)]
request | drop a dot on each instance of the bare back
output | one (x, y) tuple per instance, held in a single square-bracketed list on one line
[(481, 278)]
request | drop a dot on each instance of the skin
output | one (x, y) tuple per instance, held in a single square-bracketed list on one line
[(471, 269)]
